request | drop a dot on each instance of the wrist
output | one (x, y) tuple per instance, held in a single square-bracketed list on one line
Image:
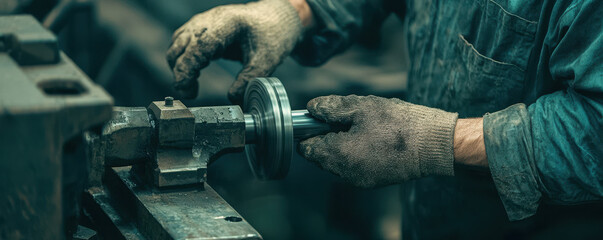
[(304, 12), (469, 147)]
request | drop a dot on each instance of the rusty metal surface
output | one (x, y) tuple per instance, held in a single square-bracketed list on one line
[(175, 124), (159, 141), (108, 215), (160, 198), (45, 104), (128, 136), (218, 130), (124, 140), (182, 213), (176, 167), (173, 163)]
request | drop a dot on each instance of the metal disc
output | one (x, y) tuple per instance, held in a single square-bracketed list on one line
[(266, 100)]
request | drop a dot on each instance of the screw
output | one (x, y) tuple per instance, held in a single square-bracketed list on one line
[(169, 101)]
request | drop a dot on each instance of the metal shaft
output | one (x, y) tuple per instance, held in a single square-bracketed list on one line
[(304, 126)]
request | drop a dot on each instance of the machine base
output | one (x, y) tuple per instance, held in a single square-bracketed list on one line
[(125, 208)]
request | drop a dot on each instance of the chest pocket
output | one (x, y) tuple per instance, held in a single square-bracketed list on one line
[(492, 50)]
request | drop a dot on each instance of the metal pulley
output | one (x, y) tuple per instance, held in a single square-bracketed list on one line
[(271, 128)]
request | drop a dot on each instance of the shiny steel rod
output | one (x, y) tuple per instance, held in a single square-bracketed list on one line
[(304, 126)]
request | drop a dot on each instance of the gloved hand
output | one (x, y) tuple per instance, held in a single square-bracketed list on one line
[(390, 141), (259, 34)]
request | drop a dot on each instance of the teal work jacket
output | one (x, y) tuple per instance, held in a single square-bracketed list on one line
[(533, 69)]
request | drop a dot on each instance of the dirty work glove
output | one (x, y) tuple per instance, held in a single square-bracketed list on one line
[(259, 34), (389, 141)]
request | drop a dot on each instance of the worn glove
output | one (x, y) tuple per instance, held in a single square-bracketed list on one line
[(259, 34), (389, 141)]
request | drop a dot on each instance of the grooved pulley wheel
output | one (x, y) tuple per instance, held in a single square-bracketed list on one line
[(270, 156)]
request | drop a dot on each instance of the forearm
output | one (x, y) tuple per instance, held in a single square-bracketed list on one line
[(304, 12), (469, 147), (332, 26)]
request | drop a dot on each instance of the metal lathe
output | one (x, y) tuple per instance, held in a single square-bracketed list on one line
[(169, 146), (147, 166)]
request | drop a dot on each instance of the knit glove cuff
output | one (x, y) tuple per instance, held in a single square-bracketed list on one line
[(436, 143), (283, 11)]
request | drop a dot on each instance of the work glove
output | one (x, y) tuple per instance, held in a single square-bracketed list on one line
[(389, 140), (259, 34)]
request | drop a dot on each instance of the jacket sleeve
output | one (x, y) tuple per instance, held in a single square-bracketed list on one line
[(552, 150), (339, 23)]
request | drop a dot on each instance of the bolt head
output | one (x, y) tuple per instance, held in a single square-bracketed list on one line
[(169, 101)]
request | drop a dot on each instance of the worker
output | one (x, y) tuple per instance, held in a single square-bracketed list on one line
[(504, 109)]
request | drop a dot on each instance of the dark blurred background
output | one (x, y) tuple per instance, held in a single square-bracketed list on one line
[(121, 45)]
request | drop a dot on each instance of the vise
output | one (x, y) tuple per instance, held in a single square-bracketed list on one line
[(152, 162), (169, 144)]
